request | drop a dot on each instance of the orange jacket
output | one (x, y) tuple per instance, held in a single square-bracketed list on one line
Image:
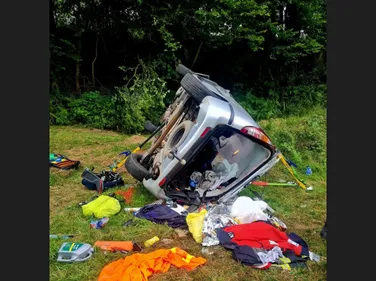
[(138, 267)]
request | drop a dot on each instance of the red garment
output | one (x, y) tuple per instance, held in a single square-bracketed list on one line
[(261, 235)]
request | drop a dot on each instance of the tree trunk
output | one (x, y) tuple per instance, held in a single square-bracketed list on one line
[(78, 62), (92, 64)]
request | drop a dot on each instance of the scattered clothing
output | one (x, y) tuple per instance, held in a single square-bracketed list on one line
[(248, 256), (251, 243), (289, 266), (195, 179), (179, 209), (222, 172), (62, 162), (290, 260), (271, 256), (210, 178), (225, 170), (160, 214), (263, 235), (138, 267)]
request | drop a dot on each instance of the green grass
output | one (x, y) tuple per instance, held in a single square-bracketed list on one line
[(301, 139)]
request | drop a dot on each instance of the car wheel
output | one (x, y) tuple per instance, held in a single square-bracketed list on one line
[(133, 166), (195, 88), (178, 135), (150, 127), (183, 70)]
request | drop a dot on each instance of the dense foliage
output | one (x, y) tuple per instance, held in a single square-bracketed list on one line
[(113, 61)]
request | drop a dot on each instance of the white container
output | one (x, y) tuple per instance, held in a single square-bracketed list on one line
[(74, 252)]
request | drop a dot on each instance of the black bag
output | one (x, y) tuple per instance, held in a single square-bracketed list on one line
[(100, 181)]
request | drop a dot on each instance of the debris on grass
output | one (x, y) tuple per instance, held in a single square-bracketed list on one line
[(99, 224), (181, 232)]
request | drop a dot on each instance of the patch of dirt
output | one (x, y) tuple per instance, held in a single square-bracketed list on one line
[(86, 157), (97, 131), (85, 154), (136, 139)]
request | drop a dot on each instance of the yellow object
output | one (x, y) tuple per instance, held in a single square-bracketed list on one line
[(151, 241), (188, 257), (103, 206), (302, 185), (195, 223), (122, 162)]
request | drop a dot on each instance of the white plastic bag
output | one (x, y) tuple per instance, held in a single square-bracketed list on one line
[(245, 210)]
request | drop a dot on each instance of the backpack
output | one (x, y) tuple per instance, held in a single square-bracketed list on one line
[(100, 181)]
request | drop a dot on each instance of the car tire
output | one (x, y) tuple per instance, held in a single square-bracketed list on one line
[(195, 88), (178, 135), (133, 166), (150, 127), (183, 70)]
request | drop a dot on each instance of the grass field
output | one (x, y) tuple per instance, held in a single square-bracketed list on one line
[(301, 139)]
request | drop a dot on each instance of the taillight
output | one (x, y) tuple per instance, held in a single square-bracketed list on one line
[(205, 132), (257, 133), (162, 182)]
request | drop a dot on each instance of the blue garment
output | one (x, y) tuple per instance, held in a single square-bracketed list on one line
[(161, 214)]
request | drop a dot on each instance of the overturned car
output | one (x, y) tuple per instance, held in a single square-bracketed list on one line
[(206, 148)]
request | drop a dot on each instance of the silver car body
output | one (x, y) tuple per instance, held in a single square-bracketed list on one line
[(212, 113)]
